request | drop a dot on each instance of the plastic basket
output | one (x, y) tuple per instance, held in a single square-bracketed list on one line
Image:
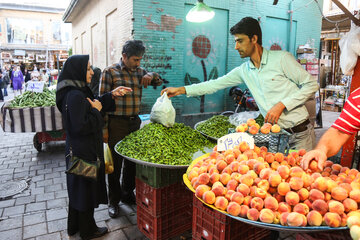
[(160, 201), (338, 235), (165, 226), (209, 224), (159, 177)]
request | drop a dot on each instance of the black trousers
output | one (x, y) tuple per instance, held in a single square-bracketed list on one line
[(119, 127), (83, 222)]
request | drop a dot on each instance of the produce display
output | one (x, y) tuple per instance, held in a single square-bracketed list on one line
[(34, 99), (216, 126), (158, 144), (272, 188), (252, 127)]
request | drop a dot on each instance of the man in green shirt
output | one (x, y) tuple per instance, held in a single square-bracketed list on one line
[(278, 83)]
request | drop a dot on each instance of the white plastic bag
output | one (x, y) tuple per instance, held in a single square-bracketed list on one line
[(163, 111), (241, 117), (350, 50)]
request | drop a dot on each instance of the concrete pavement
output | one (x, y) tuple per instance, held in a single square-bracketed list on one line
[(40, 212)]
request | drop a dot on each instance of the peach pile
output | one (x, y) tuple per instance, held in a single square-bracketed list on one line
[(273, 188), (253, 128)]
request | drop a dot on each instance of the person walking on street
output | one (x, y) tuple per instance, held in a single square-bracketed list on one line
[(17, 80), (27, 75), (1, 86), (82, 115), (125, 119), (6, 80), (278, 83)]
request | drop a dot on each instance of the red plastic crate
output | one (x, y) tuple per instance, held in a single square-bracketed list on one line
[(332, 235), (160, 201), (165, 226), (209, 224)]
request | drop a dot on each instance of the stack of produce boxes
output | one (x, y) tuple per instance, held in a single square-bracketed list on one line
[(164, 204)]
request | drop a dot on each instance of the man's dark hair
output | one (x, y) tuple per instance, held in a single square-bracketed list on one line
[(248, 26), (133, 48)]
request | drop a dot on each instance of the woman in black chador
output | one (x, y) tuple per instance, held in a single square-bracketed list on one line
[(82, 116)]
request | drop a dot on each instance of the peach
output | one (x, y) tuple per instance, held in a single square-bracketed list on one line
[(253, 214), (301, 208), (296, 172), (355, 232), (330, 185), (316, 194), (213, 170), (274, 179), (355, 195), (275, 165), (214, 154), (265, 173), (294, 219), (258, 167), (275, 128), (264, 184), (201, 189), (202, 169), (253, 130), (271, 203), (350, 205), (252, 191), (314, 218), (355, 185), (284, 207), (244, 189), (242, 157), (243, 146), (215, 177), (296, 183), (302, 152), (233, 209), (327, 196), (346, 186), (336, 167), (269, 157), (276, 218), (292, 198), (247, 200), (228, 194), (279, 157), (320, 206), (232, 184), (279, 197), (303, 194), (247, 180), (251, 122), (234, 166), (243, 211), (221, 203), (221, 165), (227, 170), (229, 158), (193, 173), (284, 171), (344, 218), (240, 128), (225, 178), (194, 183), (203, 178), (283, 218), (265, 130), (321, 184), (209, 197), (243, 169), (339, 193), (219, 190), (353, 220), (332, 219), (237, 197), (313, 166), (261, 193), (266, 216), (307, 180), (236, 176), (257, 203), (291, 160), (283, 188)]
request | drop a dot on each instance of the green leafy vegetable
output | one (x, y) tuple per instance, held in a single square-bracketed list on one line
[(216, 126), (34, 99)]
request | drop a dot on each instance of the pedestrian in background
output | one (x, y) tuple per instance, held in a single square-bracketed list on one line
[(6, 80), (1, 86), (27, 75), (17, 80), (82, 117), (95, 80)]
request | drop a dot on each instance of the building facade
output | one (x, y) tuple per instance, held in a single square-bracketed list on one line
[(184, 52), (33, 35)]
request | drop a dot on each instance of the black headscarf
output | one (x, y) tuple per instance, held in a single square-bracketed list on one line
[(73, 75)]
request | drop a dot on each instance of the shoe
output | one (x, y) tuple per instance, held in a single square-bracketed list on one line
[(72, 232), (129, 199), (114, 211), (100, 231)]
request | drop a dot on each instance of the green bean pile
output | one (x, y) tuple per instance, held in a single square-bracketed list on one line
[(34, 99), (158, 144), (216, 126)]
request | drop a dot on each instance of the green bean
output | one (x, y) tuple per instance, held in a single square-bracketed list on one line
[(34, 99), (216, 126)]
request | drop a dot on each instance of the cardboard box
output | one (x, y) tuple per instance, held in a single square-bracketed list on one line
[(332, 108)]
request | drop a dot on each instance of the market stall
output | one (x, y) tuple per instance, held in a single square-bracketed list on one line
[(34, 111)]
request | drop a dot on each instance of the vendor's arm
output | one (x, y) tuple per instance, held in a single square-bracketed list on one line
[(329, 144), (107, 99), (151, 78), (233, 78), (307, 84), (106, 85), (274, 113)]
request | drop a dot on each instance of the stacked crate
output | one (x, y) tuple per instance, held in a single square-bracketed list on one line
[(164, 204), (209, 224)]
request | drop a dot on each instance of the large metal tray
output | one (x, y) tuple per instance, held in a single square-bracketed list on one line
[(195, 127), (277, 227), (138, 161)]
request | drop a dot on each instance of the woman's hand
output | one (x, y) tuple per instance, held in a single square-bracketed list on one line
[(120, 91), (95, 104)]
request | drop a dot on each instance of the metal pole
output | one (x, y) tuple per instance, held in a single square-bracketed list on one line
[(57, 60)]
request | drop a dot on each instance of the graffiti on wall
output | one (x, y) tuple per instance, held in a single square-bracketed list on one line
[(201, 48), (167, 23)]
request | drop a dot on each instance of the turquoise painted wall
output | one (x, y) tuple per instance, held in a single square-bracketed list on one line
[(161, 25)]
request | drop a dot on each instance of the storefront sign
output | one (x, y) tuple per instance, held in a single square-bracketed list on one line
[(35, 86), (41, 58), (31, 57), (5, 55), (19, 52), (229, 141)]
